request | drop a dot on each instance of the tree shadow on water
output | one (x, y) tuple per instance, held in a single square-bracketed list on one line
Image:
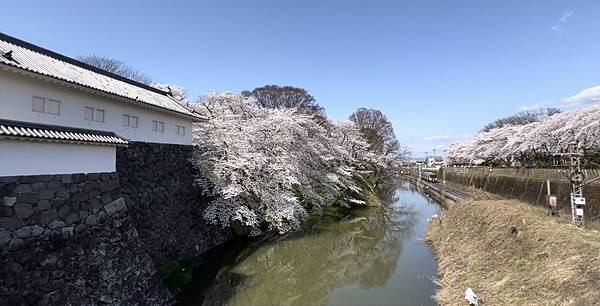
[(356, 248)]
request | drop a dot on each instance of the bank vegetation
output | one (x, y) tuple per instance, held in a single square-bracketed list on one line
[(511, 253)]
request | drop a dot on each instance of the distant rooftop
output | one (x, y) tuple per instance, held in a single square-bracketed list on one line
[(21, 55)]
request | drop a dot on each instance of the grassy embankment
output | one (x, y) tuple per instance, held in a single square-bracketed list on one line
[(512, 253)]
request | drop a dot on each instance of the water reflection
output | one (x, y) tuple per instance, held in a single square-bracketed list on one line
[(319, 265)]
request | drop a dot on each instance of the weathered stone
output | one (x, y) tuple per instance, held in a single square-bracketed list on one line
[(144, 171), (24, 232), (58, 273), (78, 177), (91, 220), (36, 230), (56, 224), (62, 193), (106, 299), (6, 211), (32, 298), (49, 260), (23, 210), (38, 186), (64, 211), (67, 232), (31, 197), (72, 218), (48, 216), (9, 179), (44, 178), (47, 194), (106, 198), (131, 277), (57, 203), (115, 206), (5, 237), (80, 228), (66, 179), (27, 179), (11, 223), (44, 205), (94, 195), (34, 218), (115, 193), (53, 185), (80, 196), (85, 187), (16, 244), (10, 201), (96, 205), (22, 188), (83, 215)]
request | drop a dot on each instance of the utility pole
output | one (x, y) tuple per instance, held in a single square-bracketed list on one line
[(577, 178)]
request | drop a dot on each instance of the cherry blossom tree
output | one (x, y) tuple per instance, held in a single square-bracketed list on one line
[(524, 143), (267, 167)]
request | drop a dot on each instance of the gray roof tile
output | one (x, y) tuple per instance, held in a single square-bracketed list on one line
[(25, 130), (35, 59)]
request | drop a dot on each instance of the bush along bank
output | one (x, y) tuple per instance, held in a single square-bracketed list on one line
[(511, 253)]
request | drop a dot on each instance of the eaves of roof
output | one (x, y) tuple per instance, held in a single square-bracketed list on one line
[(41, 132)]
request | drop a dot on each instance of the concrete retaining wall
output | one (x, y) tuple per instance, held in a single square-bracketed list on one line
[(528, 185)]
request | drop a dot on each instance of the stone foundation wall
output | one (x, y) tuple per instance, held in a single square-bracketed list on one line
[(70, 239), (166, 205), (527, 188)]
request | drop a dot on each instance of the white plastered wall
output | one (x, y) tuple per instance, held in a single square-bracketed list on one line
[(17, 91), (22, 157)]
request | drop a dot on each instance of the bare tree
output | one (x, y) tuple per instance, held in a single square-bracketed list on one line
[(117, 67), (274, 96), (521, 118), (379, 133), (376, 129)]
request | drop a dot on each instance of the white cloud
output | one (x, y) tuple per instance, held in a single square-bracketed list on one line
[(586, 96), (436, 137), (562, 21)]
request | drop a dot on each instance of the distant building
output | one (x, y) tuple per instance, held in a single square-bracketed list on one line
[(59, 116)]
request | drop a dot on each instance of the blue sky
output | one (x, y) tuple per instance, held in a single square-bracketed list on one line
[(440, 70)]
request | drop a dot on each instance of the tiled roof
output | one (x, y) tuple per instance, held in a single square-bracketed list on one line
[(23, 55), (25, 130)]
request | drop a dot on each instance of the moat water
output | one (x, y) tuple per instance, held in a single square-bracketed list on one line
[(368, 256)]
